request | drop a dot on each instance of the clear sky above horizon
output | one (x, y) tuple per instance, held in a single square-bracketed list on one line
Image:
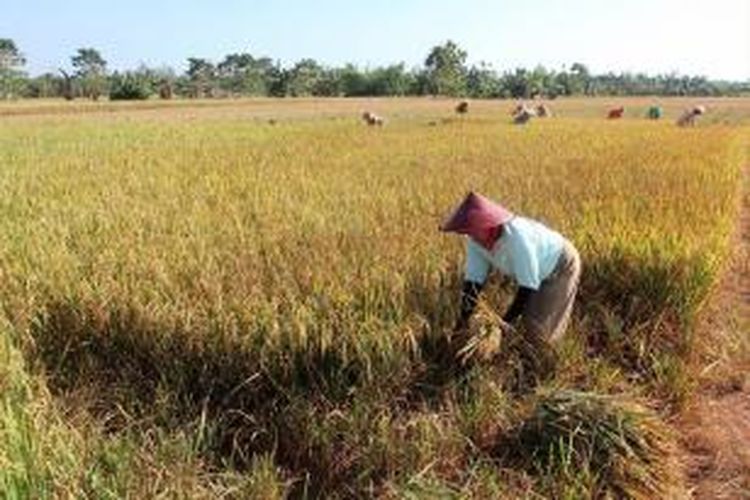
[(696, 37)]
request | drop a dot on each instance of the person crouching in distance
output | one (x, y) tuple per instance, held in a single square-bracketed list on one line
[(524, 114), (544, 264), (372, 119), (543, 111), (688, 118)]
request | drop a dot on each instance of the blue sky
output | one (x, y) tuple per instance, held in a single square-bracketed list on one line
[(708, 37)]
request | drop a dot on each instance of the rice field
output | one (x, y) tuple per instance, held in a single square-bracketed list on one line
[(246, 298)]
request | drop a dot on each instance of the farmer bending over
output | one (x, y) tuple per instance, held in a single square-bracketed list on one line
[(544, 264)]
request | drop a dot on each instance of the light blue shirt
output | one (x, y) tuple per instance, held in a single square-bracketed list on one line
[(527, 251)]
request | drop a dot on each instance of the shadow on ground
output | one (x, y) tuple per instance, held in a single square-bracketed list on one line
[(260, 400)]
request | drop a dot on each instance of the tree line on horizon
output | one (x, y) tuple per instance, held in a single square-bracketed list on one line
[(445, 72)]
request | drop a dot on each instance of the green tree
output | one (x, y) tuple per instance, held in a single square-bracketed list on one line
[(276, 78), (482, 82), (304, 78), (67, 85), (91, 71), (392, 80), (446, 69), (131, 85), (201, 74), (537, 81), (44, 86), (354, 82), (330, 83), (580, 79), (243, 74), (421, 82), (164, 81), (11, 77), (516, 84)]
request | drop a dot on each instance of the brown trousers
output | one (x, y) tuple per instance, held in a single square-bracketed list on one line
[(547, 312)]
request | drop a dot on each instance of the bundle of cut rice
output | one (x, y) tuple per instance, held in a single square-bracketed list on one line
[(624, 448), (483, 337)]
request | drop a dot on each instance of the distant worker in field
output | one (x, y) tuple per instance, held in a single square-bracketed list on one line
[(523, 114), (462, 107), (372, 119), (543, 111), (544, 264), (654, 113), (687, 119), (616, 113)]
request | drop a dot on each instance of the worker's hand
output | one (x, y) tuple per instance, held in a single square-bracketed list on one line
[(483, 343), (457, 337), (461, 326), (449, 343), (468, 349), (507, 327)]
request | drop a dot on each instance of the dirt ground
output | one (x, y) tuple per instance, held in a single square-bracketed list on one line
[(715, 430)]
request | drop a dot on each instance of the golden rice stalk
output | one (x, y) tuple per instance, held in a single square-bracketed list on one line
[(484, 336)]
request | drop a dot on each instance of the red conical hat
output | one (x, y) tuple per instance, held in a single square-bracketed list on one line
[(475, 215)]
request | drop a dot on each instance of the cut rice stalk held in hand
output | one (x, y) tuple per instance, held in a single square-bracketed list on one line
[(484, 337)]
